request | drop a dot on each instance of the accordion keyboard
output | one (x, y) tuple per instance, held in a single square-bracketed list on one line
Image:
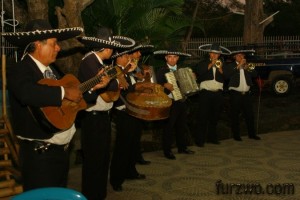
[(170, 76)]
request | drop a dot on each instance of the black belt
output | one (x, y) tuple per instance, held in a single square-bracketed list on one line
[(219, 90), (238, 92), (41, 146), (96, 112)]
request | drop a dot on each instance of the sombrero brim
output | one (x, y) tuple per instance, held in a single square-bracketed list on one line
[(140, 48), (115, 42), (207, 48), (243, 51), (165, 52), (137, 48), (21, 39)]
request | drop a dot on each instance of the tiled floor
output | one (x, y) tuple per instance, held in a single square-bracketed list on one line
[(218, 172), (273, 160)]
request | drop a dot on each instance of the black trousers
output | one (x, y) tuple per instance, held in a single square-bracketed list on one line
[(95, 141), (176, 123), (126, 145), (210, 106), (47, 169), (241, 103)]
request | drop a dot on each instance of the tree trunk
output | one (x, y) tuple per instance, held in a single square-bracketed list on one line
[(190, 31), (70, 16), (253, 31), (37, 9)]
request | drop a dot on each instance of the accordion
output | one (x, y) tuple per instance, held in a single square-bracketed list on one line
[(184, 83)]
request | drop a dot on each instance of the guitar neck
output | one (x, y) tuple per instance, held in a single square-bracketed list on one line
[(111, 72)]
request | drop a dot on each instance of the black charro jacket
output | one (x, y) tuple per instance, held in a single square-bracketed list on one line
[(232, 74), (203, 74), (24, 91), (161, 78), (89, 68)]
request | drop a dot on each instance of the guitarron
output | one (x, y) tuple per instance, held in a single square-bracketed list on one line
[(148, 101)]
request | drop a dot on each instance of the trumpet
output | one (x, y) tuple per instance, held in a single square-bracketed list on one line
[(218, 64), (249, 67)]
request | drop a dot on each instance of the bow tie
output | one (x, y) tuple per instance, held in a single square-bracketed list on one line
[(174, 68)]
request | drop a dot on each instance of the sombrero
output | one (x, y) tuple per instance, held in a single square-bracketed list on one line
[(241, 49), (40, 29), (171, 51), (137, 47), (214, 48), (105, 39), (141, 47)]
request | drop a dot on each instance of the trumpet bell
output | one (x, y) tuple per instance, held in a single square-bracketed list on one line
[(250, 66), (218, 64)]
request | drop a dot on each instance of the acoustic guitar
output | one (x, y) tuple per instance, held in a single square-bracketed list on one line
[(111, 96), (53, 119)]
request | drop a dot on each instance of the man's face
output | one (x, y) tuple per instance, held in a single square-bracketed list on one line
[(123, 60), (47, 51), (214, 56), (239, 57), (172, 59), (108, 53)]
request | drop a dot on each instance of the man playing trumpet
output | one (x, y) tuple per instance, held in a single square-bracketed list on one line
[(240, 77), (210, 76)]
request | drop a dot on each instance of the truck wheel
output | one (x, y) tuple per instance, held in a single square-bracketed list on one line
[(281, 85)]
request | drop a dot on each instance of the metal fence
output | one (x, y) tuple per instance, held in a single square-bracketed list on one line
[(271, 45)]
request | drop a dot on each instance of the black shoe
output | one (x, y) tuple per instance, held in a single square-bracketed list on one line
[(143, 162), (186, 151), (117, 188), (237, 138), (137, 177), (169, 155), (255, 137)]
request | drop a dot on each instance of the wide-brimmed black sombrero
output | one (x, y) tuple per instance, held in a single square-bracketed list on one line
[(214, 48), (40, 29), (241, 49), (136, 47), (171, 52), (105, 39)]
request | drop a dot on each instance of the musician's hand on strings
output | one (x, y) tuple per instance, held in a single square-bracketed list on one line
[(122, 82), (139, 76), (148, 70), (73, 93), (104, 80), (169, 86)]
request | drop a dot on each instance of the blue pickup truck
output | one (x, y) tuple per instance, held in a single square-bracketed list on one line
[(280, 74)]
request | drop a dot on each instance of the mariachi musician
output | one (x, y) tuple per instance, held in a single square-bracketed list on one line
[(210, 76), (141, 72), (177, 121), (240, 75), (128, 128), (96, 120), (43, 153)]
